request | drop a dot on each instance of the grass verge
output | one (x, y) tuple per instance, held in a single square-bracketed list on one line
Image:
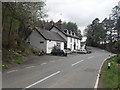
[(110, 78)]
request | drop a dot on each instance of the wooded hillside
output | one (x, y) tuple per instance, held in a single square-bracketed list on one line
[(18, 20)]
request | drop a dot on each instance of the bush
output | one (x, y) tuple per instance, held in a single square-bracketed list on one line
[(34, 51), (17, 54), (18, 61), (4, 66), (118, 59)]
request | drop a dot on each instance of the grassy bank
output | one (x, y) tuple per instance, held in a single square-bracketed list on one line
[(11, 57), (16, 54), (111, 77)]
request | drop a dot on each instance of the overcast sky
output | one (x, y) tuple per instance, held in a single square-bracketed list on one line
[(82, 12)]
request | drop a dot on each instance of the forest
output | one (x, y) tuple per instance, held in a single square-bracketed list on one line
[(105, 34)]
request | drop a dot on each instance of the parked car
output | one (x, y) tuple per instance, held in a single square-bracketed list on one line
[(59, 52), (67, 51), (82, 51)]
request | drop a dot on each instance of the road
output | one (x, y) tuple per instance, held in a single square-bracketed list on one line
[(74, 71)]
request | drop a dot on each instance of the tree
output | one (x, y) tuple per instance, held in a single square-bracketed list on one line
[(95, 33), (98, 32), (20, 17), (71, 26)]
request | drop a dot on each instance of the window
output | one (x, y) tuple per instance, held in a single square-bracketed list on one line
[(58, 44), (69, 32), (41, 42)]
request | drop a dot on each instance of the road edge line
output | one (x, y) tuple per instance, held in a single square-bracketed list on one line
[(98, 75)]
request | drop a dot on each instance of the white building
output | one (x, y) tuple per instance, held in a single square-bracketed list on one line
[(72, 41), (45, 40)]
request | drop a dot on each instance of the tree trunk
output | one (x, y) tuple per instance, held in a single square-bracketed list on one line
[(10, 29)]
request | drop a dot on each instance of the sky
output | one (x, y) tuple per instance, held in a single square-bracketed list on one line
[(81, 12)]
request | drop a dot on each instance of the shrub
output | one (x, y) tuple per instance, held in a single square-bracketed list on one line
[(118, 59), (4, 66), (17, 54), (34, 51), (19, 61)]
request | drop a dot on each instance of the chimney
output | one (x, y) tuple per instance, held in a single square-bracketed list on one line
[(60, 22), (51, 22)]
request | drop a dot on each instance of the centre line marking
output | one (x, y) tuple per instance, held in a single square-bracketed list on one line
[(77, 62), (90, 57), (30, 67), (43, 63), (12, 71), (42, 80)]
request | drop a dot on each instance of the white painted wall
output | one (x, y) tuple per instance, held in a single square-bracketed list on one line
[(79, 44), (62, 46), (68, 42), (51, 44), (77, 41), (35, 39), (71, 44), (68, 39)]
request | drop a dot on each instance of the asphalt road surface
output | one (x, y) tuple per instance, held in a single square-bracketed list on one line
[(74, 71)]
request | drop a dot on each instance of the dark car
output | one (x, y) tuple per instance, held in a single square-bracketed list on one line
[(59, 52)]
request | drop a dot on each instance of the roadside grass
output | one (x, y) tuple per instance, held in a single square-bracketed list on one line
[(111, 76)]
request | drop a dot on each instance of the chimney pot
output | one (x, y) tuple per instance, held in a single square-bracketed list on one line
[(51, 22), (60, 22)]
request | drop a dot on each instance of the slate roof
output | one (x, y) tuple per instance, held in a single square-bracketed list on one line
[(64, 32), (48, 35)]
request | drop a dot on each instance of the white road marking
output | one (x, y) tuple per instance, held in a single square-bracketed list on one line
[(43, 63), (12, 71), (52, 61), (42, 80), (98, 75), (77, 62), (30, 67), (90, 57)]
